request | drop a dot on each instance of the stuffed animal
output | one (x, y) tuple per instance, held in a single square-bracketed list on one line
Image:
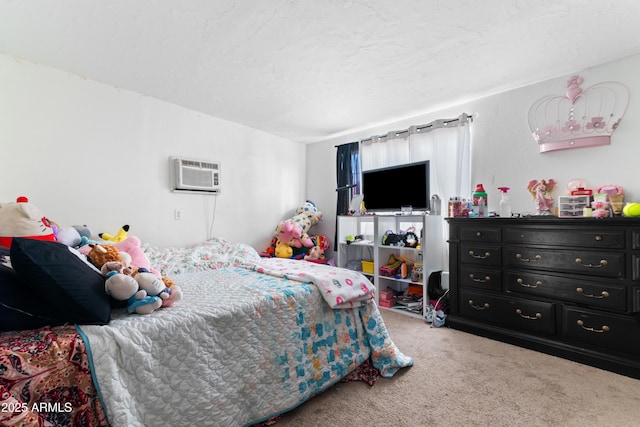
[(315, 254), (22, 219), (67, 235), (122, 287), (175, 292), (75, 236), (151, 284), (322, 241), (294, 231), (162, 287), (83, 231), (283, 250), (99, 255), (118, 237), (132, 245), (129, 252)]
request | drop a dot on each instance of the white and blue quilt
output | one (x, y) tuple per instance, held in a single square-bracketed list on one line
[(240, 348)]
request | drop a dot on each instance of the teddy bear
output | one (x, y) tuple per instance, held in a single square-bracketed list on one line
[(294, 231), (122, 287), (22, 219), (128, 251)]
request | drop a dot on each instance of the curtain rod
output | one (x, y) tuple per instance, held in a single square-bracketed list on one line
[(436, 124)]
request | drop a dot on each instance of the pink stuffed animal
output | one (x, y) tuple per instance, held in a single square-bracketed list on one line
[(294, 231), (133, 246)]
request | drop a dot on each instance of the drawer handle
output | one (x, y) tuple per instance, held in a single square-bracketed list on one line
[(478, 233), (605, 328), (527, 285), (604, 294), (603, 262), (477, 307), (485, 280), (536, 258), (598, 238), (485, 256), (524, 316)]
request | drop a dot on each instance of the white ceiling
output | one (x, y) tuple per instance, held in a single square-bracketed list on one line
[(308, 70)]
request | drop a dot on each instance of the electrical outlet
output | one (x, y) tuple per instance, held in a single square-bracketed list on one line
[(177, 215)]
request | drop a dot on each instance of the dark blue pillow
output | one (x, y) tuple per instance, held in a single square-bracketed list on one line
[(20, 309), (73, 289)]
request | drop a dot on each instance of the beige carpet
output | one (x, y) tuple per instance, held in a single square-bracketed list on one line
[(459, 379)]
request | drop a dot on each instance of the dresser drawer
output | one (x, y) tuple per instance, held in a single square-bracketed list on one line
[(604, 330), (480, 255), (512, 313), (480, 234), (594, 263), (635, 267), (635, 239), (573, 289), (596, 239), (480, 278)]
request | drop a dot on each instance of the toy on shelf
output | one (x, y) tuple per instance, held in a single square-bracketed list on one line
[(541, 192), (600, 206), (614, 195)]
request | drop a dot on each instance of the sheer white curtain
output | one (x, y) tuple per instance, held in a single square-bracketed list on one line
[(447, 146)]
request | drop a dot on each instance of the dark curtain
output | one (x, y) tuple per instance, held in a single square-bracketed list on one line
[(347, 178)]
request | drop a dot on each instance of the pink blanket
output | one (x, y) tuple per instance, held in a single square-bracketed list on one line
[(341, 288)]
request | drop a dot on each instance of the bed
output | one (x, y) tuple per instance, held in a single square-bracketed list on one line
[(251, 339)]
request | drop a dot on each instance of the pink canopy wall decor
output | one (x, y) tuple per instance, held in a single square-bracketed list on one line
[(579, 118)]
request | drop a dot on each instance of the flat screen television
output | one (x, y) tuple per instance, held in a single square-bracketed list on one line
[(389, 189)]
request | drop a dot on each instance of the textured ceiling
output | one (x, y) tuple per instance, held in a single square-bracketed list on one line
[(308, 70)]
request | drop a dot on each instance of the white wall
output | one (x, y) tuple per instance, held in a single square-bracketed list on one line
[(88, 153), (503, 150)]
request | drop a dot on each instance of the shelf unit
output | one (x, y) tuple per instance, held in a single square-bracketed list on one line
[(372, 228)]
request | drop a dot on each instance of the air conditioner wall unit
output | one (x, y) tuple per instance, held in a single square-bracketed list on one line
[(194, 176)]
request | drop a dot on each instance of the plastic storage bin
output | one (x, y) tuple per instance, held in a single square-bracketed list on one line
[(572, 206)]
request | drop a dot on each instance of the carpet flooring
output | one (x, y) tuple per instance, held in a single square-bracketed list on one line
[(459, 379)]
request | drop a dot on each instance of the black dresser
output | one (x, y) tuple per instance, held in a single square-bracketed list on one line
[(567, 287)]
